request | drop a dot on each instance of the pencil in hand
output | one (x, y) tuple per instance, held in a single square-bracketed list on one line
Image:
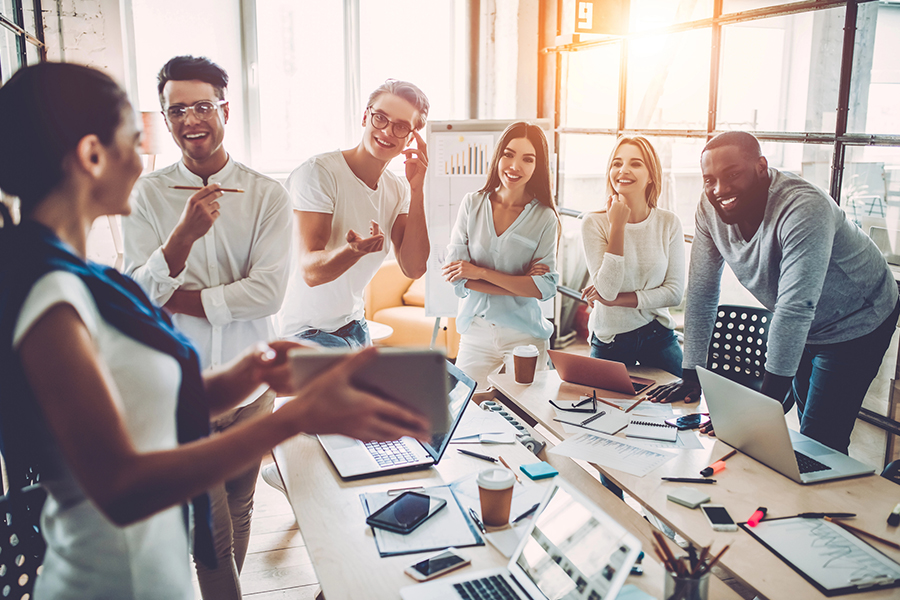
[(195, 188)]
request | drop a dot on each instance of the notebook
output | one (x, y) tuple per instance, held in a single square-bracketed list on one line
[(354, 459), (651, 428), (754, 424), (571, 549)]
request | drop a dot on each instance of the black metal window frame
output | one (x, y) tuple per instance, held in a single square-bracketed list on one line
[(16, 24)]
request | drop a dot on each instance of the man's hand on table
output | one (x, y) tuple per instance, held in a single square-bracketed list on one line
[(688, 389)]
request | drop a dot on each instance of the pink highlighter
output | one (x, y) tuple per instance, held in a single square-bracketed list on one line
[(757, 516)]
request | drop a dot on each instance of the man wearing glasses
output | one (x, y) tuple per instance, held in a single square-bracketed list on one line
[(215, 254), (349, 211)]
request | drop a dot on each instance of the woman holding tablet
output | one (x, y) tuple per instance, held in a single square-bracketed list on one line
[(635, 256), (502, 256), (99, 392)]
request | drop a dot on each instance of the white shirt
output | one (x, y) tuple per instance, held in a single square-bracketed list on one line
[(240, 265), (325, 184), (88, 556), (531, 237), (652, 267)]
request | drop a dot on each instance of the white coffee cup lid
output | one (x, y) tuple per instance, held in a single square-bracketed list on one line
[(495, 478), (525, 351)]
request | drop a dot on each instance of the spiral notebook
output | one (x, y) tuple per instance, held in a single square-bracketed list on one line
[(651, 428)]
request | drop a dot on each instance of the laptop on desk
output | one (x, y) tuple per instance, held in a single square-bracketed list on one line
[(571, 550), (597, 373), (354, 459), (755, 424)]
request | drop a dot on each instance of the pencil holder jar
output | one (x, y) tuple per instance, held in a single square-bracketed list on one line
[(678, 587)]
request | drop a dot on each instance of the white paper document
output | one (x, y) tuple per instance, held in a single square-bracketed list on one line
[(686, 440), (615, 453), (483, 427)]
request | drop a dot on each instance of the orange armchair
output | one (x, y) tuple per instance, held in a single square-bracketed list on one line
[(394, 299)]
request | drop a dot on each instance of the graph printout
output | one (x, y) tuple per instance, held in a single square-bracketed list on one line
[(463, 154), (615, 453)]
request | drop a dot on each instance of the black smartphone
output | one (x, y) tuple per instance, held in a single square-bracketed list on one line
[(405, 512), (692, 421)]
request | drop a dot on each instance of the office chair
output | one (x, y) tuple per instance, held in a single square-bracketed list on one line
[(22, 546), (892, 472), (737, 349)]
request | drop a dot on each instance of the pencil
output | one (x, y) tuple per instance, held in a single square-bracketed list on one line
[(715, 559), (629, 409), (506, 464), (616, 406), (858, 531), (194, 188)]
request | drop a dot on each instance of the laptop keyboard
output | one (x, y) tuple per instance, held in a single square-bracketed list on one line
[(387, 454), (808, 464), (486, 588)]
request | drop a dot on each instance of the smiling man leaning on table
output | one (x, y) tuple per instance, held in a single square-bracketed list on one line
[(744, 485)]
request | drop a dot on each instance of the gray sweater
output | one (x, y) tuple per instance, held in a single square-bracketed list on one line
[(822, 277)]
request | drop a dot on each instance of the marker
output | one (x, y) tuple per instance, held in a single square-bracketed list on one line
[(757, 516), (718, 465), (894, 517), (688, 479), (476, 455)]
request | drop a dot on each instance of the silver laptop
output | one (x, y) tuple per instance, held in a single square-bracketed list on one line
[(354, 459), (571, 550), (755, 424)]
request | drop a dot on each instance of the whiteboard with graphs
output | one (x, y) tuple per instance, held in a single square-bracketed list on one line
[(459, 160)]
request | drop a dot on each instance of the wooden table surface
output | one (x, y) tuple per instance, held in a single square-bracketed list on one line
[(342, 546), (743, 485)]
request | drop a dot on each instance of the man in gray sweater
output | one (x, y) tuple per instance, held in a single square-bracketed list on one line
[(832, 294)]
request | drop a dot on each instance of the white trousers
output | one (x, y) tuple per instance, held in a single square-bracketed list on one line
[(484, 348)]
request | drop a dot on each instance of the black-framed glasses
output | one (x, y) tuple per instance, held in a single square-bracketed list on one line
[(576, 406), (380, 121), (203, 110)]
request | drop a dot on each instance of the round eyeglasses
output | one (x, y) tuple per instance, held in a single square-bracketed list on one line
[(203, 110), (380, 121)]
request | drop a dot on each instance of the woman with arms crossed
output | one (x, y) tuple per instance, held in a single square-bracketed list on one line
[(98, 391), (502, 256), (635, 256)]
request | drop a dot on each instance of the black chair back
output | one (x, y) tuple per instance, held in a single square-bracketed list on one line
[(737, 349), (22, 546)]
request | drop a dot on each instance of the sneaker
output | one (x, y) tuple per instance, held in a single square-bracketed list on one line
[(272, 477)]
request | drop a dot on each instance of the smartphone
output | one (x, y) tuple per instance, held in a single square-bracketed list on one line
[(405, 512), (437, 565), (692, 421), (718, 517)]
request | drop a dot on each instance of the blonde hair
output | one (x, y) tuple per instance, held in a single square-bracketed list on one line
[(651, 159), (409, 92)]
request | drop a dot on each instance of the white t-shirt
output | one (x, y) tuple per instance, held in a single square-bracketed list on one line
[(87, 555), (325, 184)]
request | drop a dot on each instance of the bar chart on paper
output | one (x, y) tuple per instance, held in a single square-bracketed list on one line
[(462, 154)]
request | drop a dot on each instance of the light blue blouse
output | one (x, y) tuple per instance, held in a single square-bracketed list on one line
[(531, 237)]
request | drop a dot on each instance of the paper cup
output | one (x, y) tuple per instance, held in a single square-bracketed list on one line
[(525, 362), (495, 489)]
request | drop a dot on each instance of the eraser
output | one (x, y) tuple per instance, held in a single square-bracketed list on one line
[(688, 496)]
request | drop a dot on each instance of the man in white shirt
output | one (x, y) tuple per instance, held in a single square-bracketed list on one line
[(217, 258), (337, 198)]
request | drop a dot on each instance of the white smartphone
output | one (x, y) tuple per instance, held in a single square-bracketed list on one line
[(437, 565), (718, 517)]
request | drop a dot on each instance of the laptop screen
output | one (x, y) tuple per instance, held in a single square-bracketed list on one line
[(574, 553), (461, 388)]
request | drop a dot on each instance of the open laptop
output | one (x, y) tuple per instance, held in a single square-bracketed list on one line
[(571, 550), (354, 459), (597, 373), (755, 424)]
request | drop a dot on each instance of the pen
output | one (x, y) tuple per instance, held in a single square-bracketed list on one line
[(757, 516), (195, 188), (476, 455), (718, 465), (506, 464), (573, 424), (894, 517), (594, 418), (527, 513), (688, 479), (396, 491), (819, 515), (478, 522), (858, 531)]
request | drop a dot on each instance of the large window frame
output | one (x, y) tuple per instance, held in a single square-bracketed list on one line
[(15, 23)]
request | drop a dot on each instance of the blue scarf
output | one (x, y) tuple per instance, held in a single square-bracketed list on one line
[(28, 252)]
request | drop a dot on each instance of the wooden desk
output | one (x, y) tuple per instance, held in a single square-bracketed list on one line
[(342, 547), (743, 486)]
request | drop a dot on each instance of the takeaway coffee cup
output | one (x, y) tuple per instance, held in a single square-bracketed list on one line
[(524, 362), (495, 489)]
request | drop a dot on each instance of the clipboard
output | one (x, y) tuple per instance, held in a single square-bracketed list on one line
[(832, 559), (448, 527)]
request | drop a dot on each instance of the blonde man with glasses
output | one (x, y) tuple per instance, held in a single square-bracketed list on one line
[(209, 239)]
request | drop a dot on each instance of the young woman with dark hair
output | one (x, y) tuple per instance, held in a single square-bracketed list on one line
[(99, 392), (502, 256)]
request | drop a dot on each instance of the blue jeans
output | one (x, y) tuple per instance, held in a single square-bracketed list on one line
[(354, 334), (652, 345), (832, 380)]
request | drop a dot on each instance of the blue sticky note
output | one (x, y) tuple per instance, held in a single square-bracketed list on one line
[(539, 470)]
